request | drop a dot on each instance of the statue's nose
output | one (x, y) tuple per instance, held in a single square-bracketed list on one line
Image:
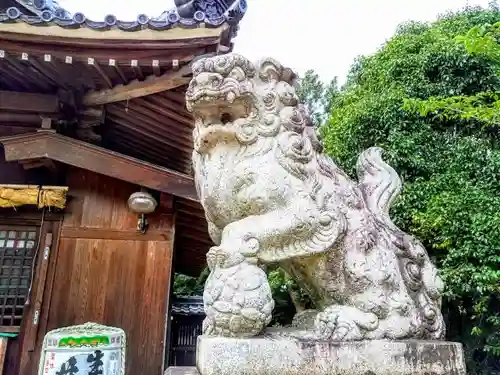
[(208, 79)]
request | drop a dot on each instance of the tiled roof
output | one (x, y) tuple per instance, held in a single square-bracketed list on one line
[(187, 13), (188, 306)]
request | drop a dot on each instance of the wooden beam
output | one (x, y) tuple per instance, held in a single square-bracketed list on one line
[(115, 234), (21, 119), (47, 144), (28, 102), (9, 130), (137, 89)]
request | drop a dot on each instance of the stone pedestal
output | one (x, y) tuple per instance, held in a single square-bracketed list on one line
[(278, 355)]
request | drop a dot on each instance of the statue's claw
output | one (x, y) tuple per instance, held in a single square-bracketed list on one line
[(344, 323), (304, 320), (219, 256), (215, 257)]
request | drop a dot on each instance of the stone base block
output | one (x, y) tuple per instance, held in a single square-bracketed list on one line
[(280, 355), (181, 371)]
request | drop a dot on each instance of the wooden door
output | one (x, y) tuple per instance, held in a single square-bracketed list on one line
[(106, 272), (115, 282)]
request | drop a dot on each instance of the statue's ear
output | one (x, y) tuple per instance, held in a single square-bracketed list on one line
[(290, 77), (270, 70)]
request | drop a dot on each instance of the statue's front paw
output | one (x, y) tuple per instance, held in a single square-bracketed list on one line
[(328, 326), (245, 246), (344, 323), (242, 239)]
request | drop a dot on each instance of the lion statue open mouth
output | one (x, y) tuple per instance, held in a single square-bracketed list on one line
[(271, 196)]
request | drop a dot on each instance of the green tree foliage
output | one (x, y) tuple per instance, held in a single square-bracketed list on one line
[(449, 161), (186, 286), (317, 96), (289, 298), (483, 41)]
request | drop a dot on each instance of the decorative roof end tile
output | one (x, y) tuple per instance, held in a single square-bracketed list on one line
[(188, 306)]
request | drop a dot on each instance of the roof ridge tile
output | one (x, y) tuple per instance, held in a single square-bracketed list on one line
[(187, 13)]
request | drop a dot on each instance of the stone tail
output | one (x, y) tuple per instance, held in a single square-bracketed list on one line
[(379, 183)]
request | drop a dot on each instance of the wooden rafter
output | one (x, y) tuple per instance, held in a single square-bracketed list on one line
[(137, 89), (50, 145)]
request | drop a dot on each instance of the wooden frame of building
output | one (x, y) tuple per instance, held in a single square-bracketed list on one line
[(97, 110)]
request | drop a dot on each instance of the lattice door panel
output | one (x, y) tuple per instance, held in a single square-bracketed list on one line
[(185, 332), (17, 252)]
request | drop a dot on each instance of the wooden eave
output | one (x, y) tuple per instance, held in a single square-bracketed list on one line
[(50, 145), (54, 34)]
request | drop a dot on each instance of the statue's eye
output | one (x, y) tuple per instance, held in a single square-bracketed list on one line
[(238, 74), (215, 81)]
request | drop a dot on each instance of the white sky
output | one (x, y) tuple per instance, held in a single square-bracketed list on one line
[(324, 35)]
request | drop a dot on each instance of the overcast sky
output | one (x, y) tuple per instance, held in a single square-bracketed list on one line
[(324, 35)]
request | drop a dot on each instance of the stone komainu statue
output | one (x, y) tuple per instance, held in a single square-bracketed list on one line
[(271, 196)]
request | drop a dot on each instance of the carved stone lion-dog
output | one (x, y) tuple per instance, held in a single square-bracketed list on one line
[(271, 196)]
